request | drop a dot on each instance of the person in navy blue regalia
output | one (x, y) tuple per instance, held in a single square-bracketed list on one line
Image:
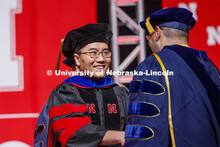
[(179, 109), (85, 110)]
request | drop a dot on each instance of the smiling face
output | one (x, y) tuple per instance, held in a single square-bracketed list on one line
[(85, 62)]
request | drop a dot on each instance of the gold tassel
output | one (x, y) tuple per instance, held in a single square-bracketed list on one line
[(59, 55), (149, 26)]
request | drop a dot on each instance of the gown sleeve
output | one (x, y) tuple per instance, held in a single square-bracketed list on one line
[(147, 110), (166, 111), (123, 97), (71, 122)]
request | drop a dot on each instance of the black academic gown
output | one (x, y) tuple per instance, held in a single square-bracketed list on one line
[(81, 110)]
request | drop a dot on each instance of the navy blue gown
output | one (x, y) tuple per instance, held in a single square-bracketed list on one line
[(180, 109)]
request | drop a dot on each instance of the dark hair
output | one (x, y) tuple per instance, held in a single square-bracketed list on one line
[(74, 66)]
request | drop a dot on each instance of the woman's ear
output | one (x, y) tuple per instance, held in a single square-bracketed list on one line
[(76, 58)]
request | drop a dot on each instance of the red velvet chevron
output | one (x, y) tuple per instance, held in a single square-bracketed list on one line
[(68, 125), (66, 109)]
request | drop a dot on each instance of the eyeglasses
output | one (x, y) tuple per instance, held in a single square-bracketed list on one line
[(95, 54)]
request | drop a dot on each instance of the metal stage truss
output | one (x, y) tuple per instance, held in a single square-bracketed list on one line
[(137, 38)]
